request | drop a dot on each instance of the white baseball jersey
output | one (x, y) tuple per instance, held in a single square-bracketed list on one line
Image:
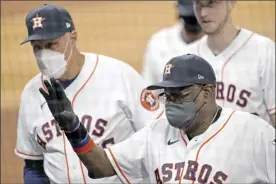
[(162, 46), (245, 72), (109, 98), (238, 148)]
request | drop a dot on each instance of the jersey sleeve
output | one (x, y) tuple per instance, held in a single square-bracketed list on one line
[(26, 145), (143, 104), (264, 155), (268, 76), (128, 158)]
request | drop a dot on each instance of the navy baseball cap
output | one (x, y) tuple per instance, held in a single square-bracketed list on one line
[(185, 7), (48, 22), (186, 70)]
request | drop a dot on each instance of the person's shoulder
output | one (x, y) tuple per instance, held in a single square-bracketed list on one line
[(164, 32), (258, 39), (32, 86), (246, 120), (163, 35), (244, 127), (111, 65), (107, 61)]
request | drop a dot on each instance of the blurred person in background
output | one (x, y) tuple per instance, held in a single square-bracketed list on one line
[(107, 94), (244, 61), (170, 42)]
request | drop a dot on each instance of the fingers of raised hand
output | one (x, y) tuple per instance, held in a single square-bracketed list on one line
[(59, 89), (44, 94), (50, 88)]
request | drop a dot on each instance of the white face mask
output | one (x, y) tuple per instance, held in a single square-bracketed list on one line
[(52, 63)]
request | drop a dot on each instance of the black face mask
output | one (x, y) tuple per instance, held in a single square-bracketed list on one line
[(190, 24)]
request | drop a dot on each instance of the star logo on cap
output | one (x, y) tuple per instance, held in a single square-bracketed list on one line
[(168, 68), (37, 22)]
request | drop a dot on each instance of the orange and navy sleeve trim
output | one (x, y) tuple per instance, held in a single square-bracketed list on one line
[(83, 147)]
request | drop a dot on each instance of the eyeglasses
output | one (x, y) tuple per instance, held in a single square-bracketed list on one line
[(180, 96)]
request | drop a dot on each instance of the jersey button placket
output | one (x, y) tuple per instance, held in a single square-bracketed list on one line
[(193, 143)]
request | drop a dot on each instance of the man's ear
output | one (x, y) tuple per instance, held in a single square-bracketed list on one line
[(208, 91)]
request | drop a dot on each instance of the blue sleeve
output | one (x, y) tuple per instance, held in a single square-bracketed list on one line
[(34, 172)]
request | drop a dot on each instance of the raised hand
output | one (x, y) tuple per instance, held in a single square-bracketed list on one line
[(59, 105)]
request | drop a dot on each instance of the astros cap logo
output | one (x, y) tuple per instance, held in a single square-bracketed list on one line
[(37, 22), (168, 68)]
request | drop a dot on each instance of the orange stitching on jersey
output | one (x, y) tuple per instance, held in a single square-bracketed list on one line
[(227, 61), (67, 163), (31, 155), (84, 180), (86, 80), (160, 115), (74, 98), (272, 109), (197, 155), (66, 160), (182, 137), (118, 166)]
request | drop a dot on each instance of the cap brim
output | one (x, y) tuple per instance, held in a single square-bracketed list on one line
[(168, 84), (35, 37), (185, 10)]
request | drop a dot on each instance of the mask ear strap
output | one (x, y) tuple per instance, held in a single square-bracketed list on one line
[(70, 54), (198, 94), (66, 49), (66, 45), (201, 107)]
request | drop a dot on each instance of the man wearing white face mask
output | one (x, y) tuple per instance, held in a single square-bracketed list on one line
[(107, 94), (52, 63)]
